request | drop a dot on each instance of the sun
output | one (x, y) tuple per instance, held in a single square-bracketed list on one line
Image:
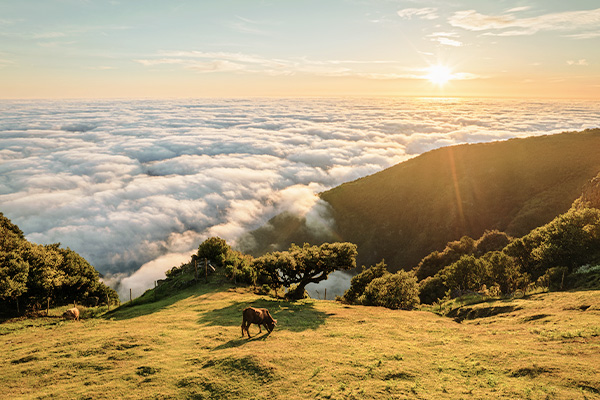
[(439, 75)]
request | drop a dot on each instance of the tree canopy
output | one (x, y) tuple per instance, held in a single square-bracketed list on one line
[(31, 274), (548, 256), (300, 266)]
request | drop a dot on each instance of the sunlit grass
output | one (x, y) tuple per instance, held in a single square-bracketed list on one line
[(190, 346)]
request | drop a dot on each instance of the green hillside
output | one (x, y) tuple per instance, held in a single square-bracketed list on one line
[(189, 346), (407, 211)]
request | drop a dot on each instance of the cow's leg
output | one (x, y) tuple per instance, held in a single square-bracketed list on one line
[(259, 329), (243, 328)]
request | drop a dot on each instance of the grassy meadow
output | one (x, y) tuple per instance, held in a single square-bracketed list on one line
[(189, 346)]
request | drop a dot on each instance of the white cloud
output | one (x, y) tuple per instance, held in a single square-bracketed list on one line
[(584, 35), (580, 62), (447, 41), (563, 21), (207, 62), (141, 183), (518, 9), (145, 277), (422, 13)]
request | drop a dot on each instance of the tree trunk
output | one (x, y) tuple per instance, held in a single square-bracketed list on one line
[(298, 292)]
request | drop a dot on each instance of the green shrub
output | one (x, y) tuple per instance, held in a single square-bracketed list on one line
[(431, 289), (467, 274), (554, 279), (437, 261), (359, 282), (491, 241), (504, 271), (395, 291), (238, 267), (570, 240), (214, 249)]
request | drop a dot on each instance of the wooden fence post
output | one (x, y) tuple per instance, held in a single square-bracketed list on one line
[(130, 294), (325, 294), (206, 270)]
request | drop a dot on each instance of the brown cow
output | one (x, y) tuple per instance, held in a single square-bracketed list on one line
[(71, 313), (258, 316)]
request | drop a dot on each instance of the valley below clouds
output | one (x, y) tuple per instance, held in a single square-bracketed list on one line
[(135, 186)]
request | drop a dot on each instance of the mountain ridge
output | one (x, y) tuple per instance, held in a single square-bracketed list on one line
[(406, 211)]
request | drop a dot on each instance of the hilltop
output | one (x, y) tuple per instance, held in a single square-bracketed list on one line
[(407, 211), (189, 346)]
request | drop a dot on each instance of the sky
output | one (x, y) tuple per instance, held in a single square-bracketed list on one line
[(284, 48)]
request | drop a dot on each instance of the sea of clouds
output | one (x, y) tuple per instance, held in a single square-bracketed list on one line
[(135, 186)]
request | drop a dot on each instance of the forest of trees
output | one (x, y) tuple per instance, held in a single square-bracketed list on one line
[(33, 276), (563, 254)]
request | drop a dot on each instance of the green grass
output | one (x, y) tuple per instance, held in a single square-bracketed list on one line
[(189, 346)]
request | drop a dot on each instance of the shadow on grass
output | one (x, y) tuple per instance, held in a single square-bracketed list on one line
[(469, 313), (148, 303), (243, 340), (295, 317)]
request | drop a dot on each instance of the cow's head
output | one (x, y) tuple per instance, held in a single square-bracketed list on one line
[(271, 325), (69, 314)]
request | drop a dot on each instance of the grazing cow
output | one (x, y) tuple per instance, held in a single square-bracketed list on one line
[(72, 313), (258, 316)]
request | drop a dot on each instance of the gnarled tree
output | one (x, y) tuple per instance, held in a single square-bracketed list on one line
[(314, 263)]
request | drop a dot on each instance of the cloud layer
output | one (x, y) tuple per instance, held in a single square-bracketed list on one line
[(137, 185), (561, 21)]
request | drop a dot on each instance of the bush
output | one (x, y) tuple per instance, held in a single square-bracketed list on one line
[(264, 290), (431, 289), (492, 241), (437, 261), (434, 263), (395, 291), (554, 278), (569, 240), (467, 274), (214, 249), (504, 271), (238, 267), (359, 282)]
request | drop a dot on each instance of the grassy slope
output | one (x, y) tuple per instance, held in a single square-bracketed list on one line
[(189, 346), (406, 211)]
